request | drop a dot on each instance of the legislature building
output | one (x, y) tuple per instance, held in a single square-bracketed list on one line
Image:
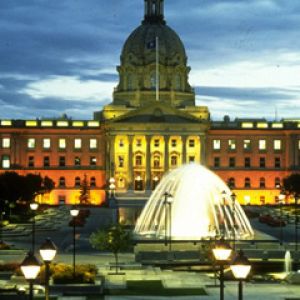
[(151, 126)]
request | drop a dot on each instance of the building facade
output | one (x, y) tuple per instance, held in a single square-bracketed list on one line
[(151, 126)]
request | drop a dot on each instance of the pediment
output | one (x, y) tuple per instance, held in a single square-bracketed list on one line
[(156, 113)]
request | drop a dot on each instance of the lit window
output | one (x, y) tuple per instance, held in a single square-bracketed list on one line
[(121, 162), (62, 161), (93, 161), (277, 144), (231, 144), (156, 143), (46, 143), (5, 162), (62, 144), (191, 143), (46, 161), (6, 143), (138, 142), (31, 161), (216, 144), (77, 143), (262, 145), (31, 143), (138, 160), (247, 144), (77, 161), (173, 143)]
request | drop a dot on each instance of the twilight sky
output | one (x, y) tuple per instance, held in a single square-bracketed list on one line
[(60, 56)]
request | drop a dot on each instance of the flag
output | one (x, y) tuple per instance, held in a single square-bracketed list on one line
[(151, 44)]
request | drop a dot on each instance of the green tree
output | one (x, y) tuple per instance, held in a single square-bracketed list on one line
[(291, 184), (115, 240), (84, 197)]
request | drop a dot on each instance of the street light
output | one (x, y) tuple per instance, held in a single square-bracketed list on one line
[(74, 213), (166, 197), (221, 252), (47, 251), (30, 268), (33, 206), (240, 268), (281, 201)]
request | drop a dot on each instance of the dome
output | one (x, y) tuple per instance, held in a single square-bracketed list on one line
[(139, 45)]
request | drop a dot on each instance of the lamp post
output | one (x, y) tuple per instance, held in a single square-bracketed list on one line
[(166, 196), (74, 213), (233, 198), (170, 200), (47, 251), (281, 201), (221, 252), (33, 206), (30, 268), (240, 268)]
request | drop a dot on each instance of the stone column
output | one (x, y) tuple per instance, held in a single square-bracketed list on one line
[(183, 141), (130, 164), (166, 153), (203, 150), (148, 163)]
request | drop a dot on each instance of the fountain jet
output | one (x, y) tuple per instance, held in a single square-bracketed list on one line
[(201, 207)]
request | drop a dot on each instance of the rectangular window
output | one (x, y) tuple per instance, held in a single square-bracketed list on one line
[(6, 143), (5, 162), (46, 161), (31, 161), (121, 143), (191, 143), (231, 145), (262, 162), (191, 159), (247, 162), (93, 161), (77, 161), (156, 143), (262, 145), (77, 143), (247, 144), (277, 162), (46, 143), (121, 162), (138, 160), (232, 162), (93, 144), (62, 161), (216, 144), (138, 142), (173, 143), (217, 162), (31, 143), (62, 144), (277, 145)]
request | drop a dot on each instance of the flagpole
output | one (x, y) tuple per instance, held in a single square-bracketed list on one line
[(157, 67)]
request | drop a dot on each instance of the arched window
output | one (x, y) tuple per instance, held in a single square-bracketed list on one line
[(77, 181), (247, 182), (231, 183), (156, 162), (173, 160), (62, 181), (93, 182), (277, 182), (262, 183), (138, 160)]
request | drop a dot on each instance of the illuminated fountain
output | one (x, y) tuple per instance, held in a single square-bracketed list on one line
[(201, 207)]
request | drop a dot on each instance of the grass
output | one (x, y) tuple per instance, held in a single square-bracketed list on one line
[(153, 288)]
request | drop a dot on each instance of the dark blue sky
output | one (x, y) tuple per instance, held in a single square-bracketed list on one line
[(60, 56)]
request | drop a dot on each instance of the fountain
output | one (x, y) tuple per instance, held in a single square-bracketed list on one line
[(201, 207)]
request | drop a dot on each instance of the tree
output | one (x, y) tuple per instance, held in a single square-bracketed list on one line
[(291, 184), (84, 197), (115, 239)]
